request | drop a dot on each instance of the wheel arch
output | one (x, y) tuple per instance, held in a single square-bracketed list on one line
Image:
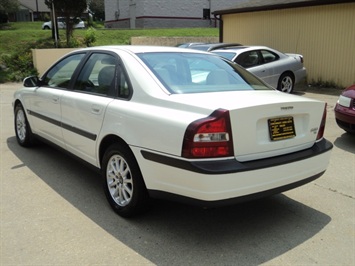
[(288, 72), (17, 102), (106, 142)]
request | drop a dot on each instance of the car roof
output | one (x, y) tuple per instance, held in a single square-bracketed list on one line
[(188, 44), (213, 46), (141, 49), (245, 48), (241, 49)]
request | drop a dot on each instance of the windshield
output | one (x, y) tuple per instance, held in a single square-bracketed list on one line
[(196, 73)]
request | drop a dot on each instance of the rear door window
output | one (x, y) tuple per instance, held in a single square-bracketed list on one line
[(269, 56)]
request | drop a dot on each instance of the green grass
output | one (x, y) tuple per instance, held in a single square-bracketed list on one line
[(16, 40), (15, 35)]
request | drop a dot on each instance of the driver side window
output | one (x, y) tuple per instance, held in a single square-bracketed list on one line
[(60, 75)]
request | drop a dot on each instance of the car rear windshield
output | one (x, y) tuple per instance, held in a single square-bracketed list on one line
[(196, 73)]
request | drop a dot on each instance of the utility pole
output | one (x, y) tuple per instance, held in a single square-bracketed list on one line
[(37, 12), (54, 26)]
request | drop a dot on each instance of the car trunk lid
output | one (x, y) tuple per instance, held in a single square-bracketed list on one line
[(266, 123)]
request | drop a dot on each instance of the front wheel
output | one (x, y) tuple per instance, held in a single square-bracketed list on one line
[(23, 131), (286, 83), (123, 182)]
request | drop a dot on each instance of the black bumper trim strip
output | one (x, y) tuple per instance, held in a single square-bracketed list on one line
[(232, 166)]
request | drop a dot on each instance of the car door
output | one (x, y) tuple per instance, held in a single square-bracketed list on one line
[(252, 61), (272, 70), (46, 100), (83, 107)]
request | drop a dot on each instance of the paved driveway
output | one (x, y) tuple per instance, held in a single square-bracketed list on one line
[(53, 212)]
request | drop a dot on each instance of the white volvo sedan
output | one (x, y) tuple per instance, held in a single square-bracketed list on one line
[(173, 123)]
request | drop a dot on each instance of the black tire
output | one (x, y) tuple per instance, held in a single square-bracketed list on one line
[(123, 182), (286, 83), (23, 130)]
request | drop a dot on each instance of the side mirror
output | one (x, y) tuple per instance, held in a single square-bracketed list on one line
[(31, 81)]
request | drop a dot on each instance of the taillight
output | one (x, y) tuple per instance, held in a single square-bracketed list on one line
[(301, 59), (322, 124), (209, 137)]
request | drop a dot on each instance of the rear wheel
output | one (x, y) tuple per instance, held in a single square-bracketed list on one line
[(123, 182), (23, 131), (286, 83)]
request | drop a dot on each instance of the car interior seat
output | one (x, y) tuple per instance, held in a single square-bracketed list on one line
[(105, 78)]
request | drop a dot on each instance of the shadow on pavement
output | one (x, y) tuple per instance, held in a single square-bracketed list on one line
[(346, 142), (169, 233)]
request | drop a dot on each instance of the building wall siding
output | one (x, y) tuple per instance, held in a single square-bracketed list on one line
[(162, 13), (324, 35)]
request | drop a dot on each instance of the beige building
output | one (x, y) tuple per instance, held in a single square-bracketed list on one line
[(323, 31)]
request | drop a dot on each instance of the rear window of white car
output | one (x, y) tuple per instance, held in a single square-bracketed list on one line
[(197, 73)]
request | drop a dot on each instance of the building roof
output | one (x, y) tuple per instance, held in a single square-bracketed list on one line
[(264, 5), (32, 5)]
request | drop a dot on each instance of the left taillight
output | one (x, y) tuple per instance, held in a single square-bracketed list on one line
[(322, 124), (209, 137)]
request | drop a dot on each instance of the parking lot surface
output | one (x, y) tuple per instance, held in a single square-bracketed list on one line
[(54, 212)]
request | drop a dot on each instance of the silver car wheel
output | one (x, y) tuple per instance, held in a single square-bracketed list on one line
[(21, 128), (119, 180), (286, 84)]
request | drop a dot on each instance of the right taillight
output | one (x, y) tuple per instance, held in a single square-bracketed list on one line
[(209, 137), (301, 59), (322, 124)]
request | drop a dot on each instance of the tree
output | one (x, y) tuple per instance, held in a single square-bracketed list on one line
[(7, 6), (68, 9), (98, 8)]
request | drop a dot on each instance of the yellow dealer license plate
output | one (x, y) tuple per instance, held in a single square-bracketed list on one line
[(281, 128)]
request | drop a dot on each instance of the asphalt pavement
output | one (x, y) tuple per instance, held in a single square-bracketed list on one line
[(54, 212)]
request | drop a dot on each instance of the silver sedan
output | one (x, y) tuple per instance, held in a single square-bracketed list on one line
[(281, 71)]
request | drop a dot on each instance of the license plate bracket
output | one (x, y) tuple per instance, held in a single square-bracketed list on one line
[(281, 128)]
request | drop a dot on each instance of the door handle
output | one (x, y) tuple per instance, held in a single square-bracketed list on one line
[(96, 109), (55, 99)]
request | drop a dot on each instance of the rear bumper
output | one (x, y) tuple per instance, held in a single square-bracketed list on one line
[(300, 75), (345, 118), (230, 201), (221, 182)]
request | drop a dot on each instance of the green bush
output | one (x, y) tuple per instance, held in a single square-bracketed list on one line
[(17, 66), (73, 43), (90, 36)]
